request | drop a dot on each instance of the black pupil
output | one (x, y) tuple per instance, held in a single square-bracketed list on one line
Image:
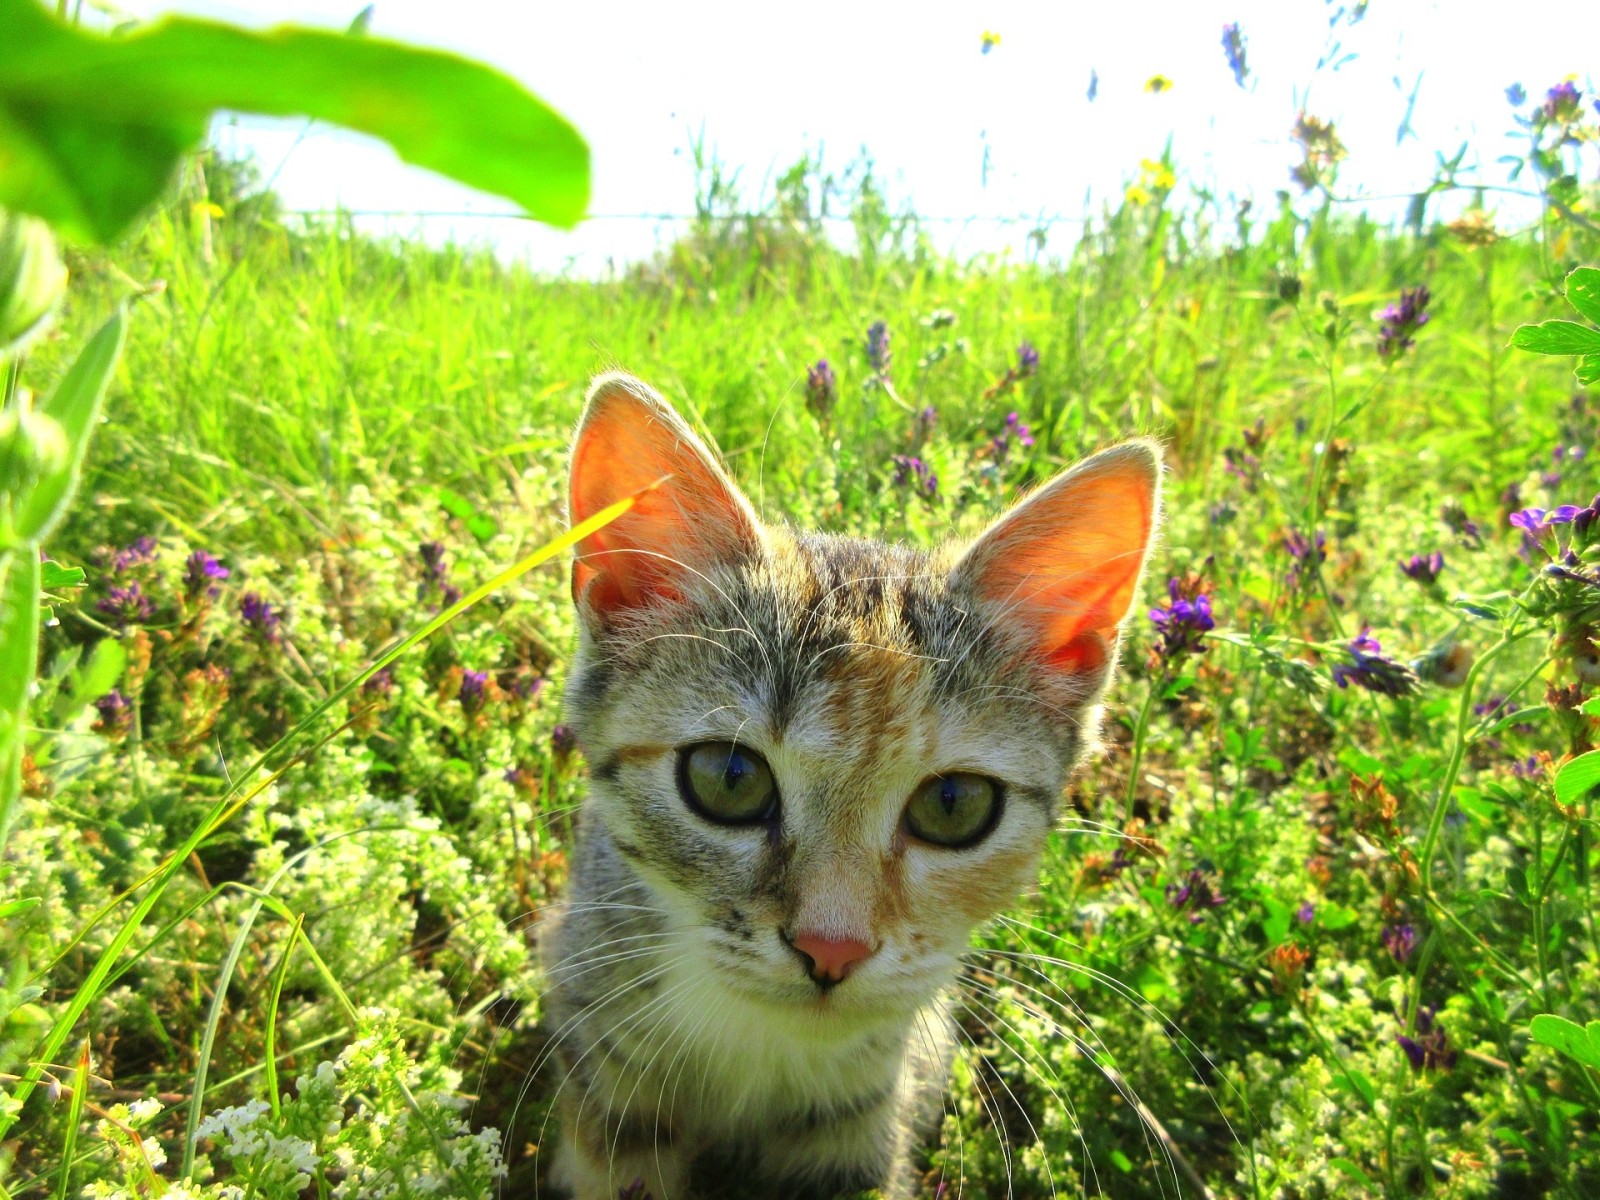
[(949, 796), (737, 769)]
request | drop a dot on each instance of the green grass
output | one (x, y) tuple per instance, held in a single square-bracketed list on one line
[(311, 405)]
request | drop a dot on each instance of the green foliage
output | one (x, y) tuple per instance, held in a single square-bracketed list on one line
[(1289, 947), (92, 128), (1570, 337)]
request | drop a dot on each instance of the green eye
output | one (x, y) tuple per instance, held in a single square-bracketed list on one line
[(727, 784), (955, 810)]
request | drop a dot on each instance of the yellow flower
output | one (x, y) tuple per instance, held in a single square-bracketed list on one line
[(991, 39), (1157, 175), (1138, 195), (1157, 84)]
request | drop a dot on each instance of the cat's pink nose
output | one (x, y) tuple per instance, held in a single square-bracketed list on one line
[(831, 958)]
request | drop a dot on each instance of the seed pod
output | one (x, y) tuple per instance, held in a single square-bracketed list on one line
[(32, 279)]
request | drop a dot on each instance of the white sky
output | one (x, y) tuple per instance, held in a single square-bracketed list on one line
[(768, 82)]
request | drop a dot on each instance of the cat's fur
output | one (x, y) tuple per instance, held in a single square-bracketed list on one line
[(696, 1052)]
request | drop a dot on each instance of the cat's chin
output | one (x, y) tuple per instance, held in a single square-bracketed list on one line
[(852, 1005)]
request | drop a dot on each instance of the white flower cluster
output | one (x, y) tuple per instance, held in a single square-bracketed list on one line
[(266, 1153)]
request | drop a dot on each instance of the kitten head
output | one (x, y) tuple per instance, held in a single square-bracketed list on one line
[(828, 758)]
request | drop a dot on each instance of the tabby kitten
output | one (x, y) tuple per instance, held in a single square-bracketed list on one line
[(817, 763)]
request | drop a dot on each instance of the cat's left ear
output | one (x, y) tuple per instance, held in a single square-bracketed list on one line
[(1063, 566), (694, 518)]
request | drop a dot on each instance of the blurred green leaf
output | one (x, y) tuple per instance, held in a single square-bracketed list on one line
[(479, 524), (75, 403), (1357, 1084), (19, 647), (92, 127), (1577, 1043), (1557, 337), (1583, 292), (1588, 369), (53, 576), (1348, 1167), (15, 908), (1578, 777)]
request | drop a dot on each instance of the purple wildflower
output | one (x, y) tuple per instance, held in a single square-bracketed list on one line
[(1222, 513), (1015, 431), (1306, 552), (1424, 568), (1430, 1048), (124, 606), (922, 424), (822, 390), (116, 714), (916, 474), (1399, 322), (142, 550), (1183, 623), (202, 575), (1528, 768), (1369, 669), (473, 693), (1306, 913), (563, 741), (1233, 47), (1561, 102), (435, 575), (261, 618), (1027, 360), (878, 353), (1454, 516), (1195, 894), (1400, 941), (381, 683)]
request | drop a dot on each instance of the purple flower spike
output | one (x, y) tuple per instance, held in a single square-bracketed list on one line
[(1430, 1048), (915, 474), (260, 617), (1562, 101), (1400, 941), (202, 576), (1233, 47), (1027, 360), (1399, 322), (1424, 568), (142, 550), (822, 390), (1369, 668), (124, 606), (1306, 552), (1195, 894), (1306, 913), (878, 354), (1183, 623), (563, 741), (473, 693), (116, 714)]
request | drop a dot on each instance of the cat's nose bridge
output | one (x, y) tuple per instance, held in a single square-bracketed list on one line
[(834, 902)]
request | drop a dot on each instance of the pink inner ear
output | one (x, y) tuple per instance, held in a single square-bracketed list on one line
[(628, 442), (1066, 562)]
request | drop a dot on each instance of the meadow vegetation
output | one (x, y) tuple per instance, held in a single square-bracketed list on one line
[(1337, 856)]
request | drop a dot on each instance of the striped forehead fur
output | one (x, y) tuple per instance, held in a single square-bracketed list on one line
[(815, 616)]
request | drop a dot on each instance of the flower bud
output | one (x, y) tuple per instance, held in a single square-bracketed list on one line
[(32, 279)]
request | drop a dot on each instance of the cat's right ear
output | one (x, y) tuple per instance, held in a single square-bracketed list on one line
[(629, 438)]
